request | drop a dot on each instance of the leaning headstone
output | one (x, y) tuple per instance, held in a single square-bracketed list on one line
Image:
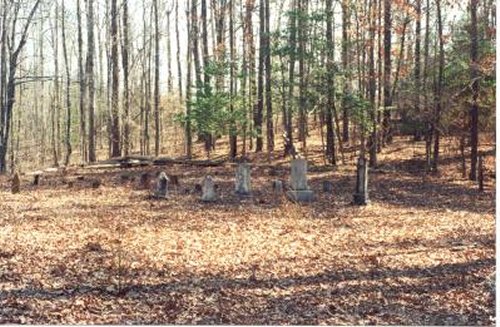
[(208, 190), (16, 184), (299, 191), (361, 193), (162, 186), (277, 186), (327, 187), (242, 183)]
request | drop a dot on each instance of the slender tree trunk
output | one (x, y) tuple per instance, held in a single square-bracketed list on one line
[(386, 122), (258, 117), (474, 74), (233, 142), (157, 79), (252, 94), (372, 86), (268, 65), (188, 133), (55, 95), (418, 128), (178, 53), (91, 79), (302, 74), (83, 89), (68, 89), (438, 95), (115, 124), (330, 103), (126, 91), (346, 66)]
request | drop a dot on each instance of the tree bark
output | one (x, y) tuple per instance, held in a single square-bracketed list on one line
[(474, 74)]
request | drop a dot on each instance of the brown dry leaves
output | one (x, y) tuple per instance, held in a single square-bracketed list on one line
[(420, 254)]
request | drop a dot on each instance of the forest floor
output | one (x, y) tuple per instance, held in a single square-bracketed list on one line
[(422, 253)]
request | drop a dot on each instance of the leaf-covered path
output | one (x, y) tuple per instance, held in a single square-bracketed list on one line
[(421, 253)]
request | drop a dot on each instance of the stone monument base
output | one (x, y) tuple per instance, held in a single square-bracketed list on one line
[(300, 195)]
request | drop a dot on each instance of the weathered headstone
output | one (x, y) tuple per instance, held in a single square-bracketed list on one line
[(145, 180), (299, 191), (174, 180), (327, 186), (361, 193), (208, 189), (242, 183), (36, 179), (162, 186), (16, 183), (96, 183), (277, 186)]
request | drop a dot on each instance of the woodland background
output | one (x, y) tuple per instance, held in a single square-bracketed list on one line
[(82, 81)]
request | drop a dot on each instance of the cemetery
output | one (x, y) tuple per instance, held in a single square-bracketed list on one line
[(245, 243)]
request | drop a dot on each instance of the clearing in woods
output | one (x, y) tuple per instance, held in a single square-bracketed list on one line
[(422, 253)]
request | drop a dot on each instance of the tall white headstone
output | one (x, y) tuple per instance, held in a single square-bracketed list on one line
[(299, 190), (208, 189), (242, 182)]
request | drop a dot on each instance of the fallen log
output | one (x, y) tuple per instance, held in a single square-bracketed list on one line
[(139, 161), (162, 161)]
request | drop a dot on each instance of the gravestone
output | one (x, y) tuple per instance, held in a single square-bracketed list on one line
[(145, 180), (242, 183), (299, 191), (277, 186), (95, 183), (162, 186), (208, 189), (327, 186), (36, 179), (361, 192), (16, 184)]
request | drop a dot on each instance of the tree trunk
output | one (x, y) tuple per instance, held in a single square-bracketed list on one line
[(346, 66), (474, 74), (260, 79), (386, 122), (372, 86), (115, 123), (90, 78), (68, 93), (126, 92), (330, 102), (439, 86), (157, 78), (83, 89), (268, 65)]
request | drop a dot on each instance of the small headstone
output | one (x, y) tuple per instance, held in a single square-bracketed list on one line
[(162, 186), (145, 180), (174, 180), (36, 179), (327, 186), (242, 183), (299, 191), (125, 177), (361, 193), (16, 183), (208, 190), (277, 186), (95, 183)]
